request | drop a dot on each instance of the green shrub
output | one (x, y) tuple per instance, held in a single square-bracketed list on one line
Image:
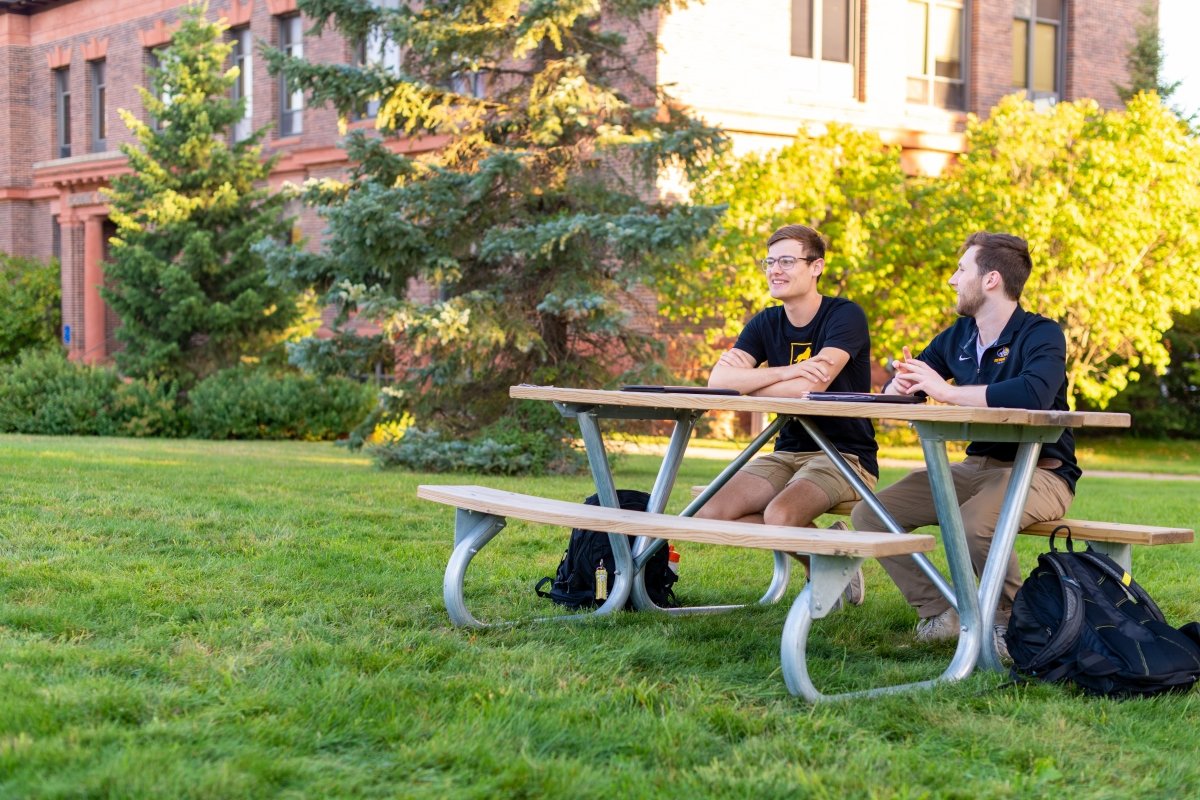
[(249, 403), (29, 295), (426, 451), (532, 440), (44, 393)]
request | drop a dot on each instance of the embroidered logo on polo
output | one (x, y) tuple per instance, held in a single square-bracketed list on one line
[(1001, 356), (801, 351)]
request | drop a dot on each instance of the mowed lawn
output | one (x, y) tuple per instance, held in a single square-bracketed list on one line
[(238, 620)]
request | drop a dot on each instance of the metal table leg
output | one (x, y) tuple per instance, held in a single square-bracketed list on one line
[(954, 539), (1007, 526), (877, 507)]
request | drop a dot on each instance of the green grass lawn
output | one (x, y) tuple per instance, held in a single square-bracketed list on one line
[(229, 620)]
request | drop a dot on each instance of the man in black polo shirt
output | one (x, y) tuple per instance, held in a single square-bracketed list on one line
[(809, 343), (999, 355)]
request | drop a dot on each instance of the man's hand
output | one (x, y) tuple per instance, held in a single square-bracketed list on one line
[(815, 369), (913, 375), (736, 358)]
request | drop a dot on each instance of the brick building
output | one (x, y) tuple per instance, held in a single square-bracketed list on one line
[(908, 69), (761, 69)]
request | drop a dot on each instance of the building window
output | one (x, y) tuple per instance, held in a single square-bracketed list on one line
[(936, 42), (821, 29), (291, 101), (154, 58), (378, 50), (1037, 48), (243, 59), (99, 107), (62, 111)]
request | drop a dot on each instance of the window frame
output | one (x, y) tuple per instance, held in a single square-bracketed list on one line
[(377, 50), (98, 73), (930, 77), (816, 31), (1031, 23), (242, 57), (291, 103), (154, 62), (62, 111)]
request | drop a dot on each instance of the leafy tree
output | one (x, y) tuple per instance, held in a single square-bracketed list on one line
[(29, 295), (1169, 405), (1144, 61), (881, 231), (191, 292), (511, 252), (1109, 201)]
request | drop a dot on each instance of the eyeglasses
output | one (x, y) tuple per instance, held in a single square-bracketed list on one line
[(785, 263)]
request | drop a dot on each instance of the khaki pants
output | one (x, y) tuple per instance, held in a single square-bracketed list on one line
[(979, 484)]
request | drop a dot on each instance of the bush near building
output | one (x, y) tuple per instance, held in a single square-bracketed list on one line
[(41, 392), (30, 295)]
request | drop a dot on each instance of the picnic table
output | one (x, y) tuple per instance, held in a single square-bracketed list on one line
[(834, 554)]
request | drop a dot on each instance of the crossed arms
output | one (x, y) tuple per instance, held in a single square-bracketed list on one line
[(737, 369)]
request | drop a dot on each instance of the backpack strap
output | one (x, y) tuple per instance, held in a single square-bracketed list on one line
[(1070, 541), (542, 583), (1117, 573)]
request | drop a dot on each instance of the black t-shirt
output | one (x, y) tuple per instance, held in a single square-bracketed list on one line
[(770, 337)]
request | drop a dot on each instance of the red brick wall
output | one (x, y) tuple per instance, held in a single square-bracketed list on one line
[(990, 41), (1099, 36)]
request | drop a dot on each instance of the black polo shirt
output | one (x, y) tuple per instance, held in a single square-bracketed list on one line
[(769, 337), (1026, 367)]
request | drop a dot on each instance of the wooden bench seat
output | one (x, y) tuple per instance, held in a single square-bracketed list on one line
[(834, 557), (812, 541), (1115, 539)]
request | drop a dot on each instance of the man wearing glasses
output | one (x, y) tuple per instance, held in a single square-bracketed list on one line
[(809, 342), (997, 354)]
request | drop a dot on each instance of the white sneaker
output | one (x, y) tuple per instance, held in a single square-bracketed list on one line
[(934, 629)]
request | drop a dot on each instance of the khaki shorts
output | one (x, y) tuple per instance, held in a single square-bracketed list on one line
[(782, 468)]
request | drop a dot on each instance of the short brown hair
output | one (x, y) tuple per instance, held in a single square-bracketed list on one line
[(814, 245), (1003, 253)]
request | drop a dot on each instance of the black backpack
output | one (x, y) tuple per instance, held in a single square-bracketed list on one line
[(1080, 617), (574, 585)]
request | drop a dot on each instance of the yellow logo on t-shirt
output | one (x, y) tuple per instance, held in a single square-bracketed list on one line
[(801, 351)]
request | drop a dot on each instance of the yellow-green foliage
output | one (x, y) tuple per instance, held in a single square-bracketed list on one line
[(1108, 200)]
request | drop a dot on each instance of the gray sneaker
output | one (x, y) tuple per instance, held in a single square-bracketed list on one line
[(943, 626), (855, 592), (999, 643)]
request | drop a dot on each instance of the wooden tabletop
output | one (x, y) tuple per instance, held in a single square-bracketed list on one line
[(823, 408)]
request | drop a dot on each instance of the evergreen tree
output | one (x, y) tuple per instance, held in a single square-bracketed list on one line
[(1145, 60), (191, 292), (511, 252)]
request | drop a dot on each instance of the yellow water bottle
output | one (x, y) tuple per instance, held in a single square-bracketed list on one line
[(601, 582)]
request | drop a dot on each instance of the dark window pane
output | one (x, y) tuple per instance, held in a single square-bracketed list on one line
[(835, 31), (99, 112), (802, 28), (62, 108), (1049, 9)]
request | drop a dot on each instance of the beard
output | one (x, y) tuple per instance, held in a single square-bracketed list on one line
[(969, 302)]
